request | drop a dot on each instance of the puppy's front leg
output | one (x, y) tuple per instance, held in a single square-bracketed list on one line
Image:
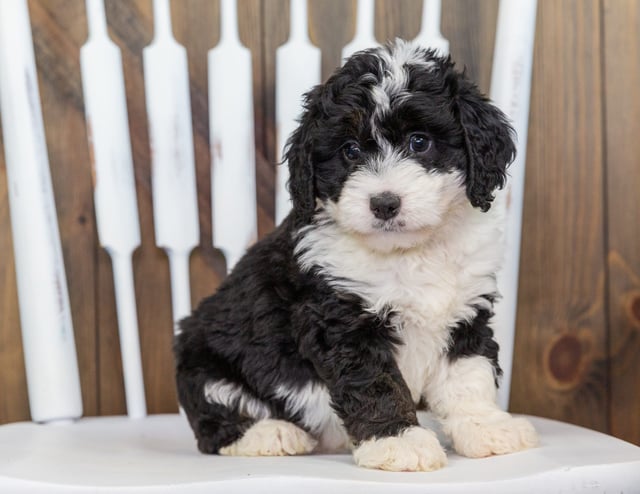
[(463, 395), (352, 351)]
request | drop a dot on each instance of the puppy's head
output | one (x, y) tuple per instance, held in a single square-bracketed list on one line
[(394, 142)]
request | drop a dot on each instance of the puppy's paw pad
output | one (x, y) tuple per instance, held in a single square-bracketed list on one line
[(271, 438), (506, 435), (415, 450)]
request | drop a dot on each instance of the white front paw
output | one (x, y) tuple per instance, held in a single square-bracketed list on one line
[(415, 450), (479, 437)]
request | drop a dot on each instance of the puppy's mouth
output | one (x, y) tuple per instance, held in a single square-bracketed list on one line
[(393, 234), (388, 226)]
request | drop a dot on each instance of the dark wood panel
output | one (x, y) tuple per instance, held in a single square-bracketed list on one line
[(470, 28), (560, 360), (14, 404), (331, 26), (251, 27), (397, 19), (276, 22), (622, 102)]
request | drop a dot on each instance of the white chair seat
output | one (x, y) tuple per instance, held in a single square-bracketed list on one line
[(158, 454)]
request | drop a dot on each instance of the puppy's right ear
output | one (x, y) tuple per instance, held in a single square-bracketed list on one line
[(489, 138), (297, 154)]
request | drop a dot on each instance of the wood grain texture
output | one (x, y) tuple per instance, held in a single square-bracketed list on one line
[(251, 30), (14, 405), (560, 359), (622, 102), (470, 28), (397, 19), (332, 25), (276, 22)]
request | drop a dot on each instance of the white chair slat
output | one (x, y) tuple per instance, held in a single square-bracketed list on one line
[(175, 203), (232, 140), (365, 29), (298, 65), (126, 311), (510, 90), (45, 315), (114, 186), (109, 140), (430, 35)]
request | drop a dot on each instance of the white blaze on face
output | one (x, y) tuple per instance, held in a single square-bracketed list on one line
[(395, 80), (427, 198)]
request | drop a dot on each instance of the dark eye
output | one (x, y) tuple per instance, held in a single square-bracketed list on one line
[(419, 143), (352, 151)]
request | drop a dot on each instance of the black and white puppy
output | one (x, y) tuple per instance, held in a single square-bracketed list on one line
[(376, 292)]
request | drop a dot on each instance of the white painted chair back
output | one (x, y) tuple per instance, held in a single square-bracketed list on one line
[(154, 453)]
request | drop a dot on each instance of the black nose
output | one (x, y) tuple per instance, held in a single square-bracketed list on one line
[(385, 206)]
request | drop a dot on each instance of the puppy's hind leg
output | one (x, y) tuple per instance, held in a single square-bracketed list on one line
[(215, 423), (270, 437), (265, 436), (229, 420)]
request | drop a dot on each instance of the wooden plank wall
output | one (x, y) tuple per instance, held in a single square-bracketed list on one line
[(621, 21), (578, 339), (563, 337)]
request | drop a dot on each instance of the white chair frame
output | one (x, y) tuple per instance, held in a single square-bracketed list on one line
[(145, 454)]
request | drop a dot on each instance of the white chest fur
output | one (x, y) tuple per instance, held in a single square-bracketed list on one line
[(430, 288)]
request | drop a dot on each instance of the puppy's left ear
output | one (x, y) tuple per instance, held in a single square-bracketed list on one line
[(297, 154), (489, 140)]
